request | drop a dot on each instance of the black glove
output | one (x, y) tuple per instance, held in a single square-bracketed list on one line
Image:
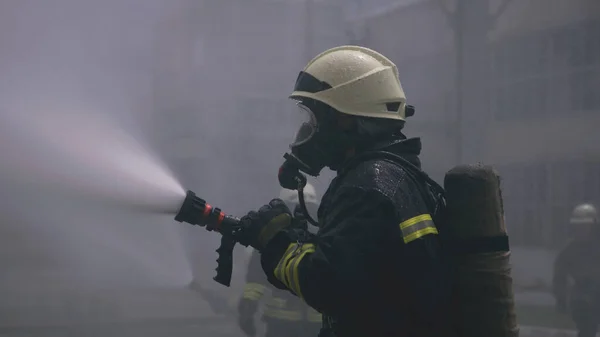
[(258, 228), (246, 309)]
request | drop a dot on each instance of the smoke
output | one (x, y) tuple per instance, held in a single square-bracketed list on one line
[(94, 95), (75, 169), (88, 154)]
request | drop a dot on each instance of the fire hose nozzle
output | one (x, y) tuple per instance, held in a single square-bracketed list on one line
[(196, 211), (192, 210)]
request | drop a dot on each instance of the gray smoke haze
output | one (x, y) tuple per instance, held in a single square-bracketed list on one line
[(110, 110), (74, 113), (96, 102)]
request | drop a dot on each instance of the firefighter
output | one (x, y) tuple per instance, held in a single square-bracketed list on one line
[(375, 267), (579, 262), (284, 314)]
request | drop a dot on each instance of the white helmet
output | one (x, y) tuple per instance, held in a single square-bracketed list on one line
[(291, 197), (584, 214), (356, 81)]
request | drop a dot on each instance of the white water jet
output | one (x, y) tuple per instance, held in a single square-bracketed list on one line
[(63, 167), (90, 155)]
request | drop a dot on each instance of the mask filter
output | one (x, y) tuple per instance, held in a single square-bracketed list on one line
[(289, 173), (290, 178)]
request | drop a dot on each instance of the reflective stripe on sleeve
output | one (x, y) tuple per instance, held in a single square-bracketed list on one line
[(287, 269), (253, 291), (417, 227)]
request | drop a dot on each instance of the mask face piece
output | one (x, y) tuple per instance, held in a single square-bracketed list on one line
[(305, 151), (308, 125), (319, 142)]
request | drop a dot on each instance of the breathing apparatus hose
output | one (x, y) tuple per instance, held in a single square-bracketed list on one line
[(303, 204)]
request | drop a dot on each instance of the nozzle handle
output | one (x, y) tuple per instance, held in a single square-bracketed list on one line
[(225, 251), (225, 261)]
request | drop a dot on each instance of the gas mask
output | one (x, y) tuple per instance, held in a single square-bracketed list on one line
[(305, 148), (318, 143), (290, 178)]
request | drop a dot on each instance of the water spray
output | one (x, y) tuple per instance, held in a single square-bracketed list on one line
[(85, 166), (92, 156), (87, 155)]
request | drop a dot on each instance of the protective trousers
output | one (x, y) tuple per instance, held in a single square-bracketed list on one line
[(281, 328), (586, 315)]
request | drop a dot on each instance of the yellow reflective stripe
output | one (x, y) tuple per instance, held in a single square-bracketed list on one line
[(276, 302), (287, 269), (293, 270), (255, 286), (252, 296), (420, 233), (253, 291), (413, 221), (287, 315), (279, 271), (417, 227)]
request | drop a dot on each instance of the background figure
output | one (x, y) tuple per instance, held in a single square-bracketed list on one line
[(579, 261), (284, 314)]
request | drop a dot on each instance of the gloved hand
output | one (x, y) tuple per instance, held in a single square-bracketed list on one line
[(246, 309), (260, 227), (561, 307)]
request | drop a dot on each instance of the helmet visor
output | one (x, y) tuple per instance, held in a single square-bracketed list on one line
[(307, 122)]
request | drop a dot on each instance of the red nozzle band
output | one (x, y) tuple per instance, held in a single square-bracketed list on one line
[(207, 210)]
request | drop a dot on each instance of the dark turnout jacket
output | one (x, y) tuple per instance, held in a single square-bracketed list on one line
[(375, 266)]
